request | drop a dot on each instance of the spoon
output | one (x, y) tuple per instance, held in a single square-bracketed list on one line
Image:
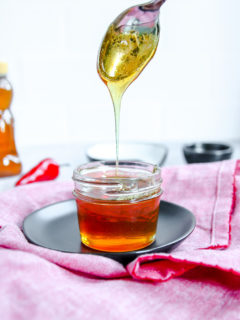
[(129, 44), (140, 14)]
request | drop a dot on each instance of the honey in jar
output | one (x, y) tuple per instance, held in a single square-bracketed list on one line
[(117, 213), (9, 160)]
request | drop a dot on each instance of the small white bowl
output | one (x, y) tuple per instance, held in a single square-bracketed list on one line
[(148, 152)]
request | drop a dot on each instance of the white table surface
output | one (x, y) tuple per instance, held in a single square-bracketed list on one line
[(74, 154)]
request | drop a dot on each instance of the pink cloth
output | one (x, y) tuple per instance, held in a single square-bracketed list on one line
[(37, 283)]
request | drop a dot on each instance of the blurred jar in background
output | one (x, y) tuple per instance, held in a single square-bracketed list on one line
[(10, 163)]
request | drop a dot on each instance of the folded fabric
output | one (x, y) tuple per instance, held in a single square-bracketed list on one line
[(208, 190), (162, 267), (34, 288), (17, 203)]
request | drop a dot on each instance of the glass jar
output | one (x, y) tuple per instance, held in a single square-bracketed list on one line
[(117, 206)]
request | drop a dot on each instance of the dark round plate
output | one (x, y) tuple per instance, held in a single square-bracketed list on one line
[(56, 227)]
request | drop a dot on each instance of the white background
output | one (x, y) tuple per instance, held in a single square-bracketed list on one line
[(189, 91)]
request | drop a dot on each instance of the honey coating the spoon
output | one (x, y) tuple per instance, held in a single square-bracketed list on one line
[(122, 57)]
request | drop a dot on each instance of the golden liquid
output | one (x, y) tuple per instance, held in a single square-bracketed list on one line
[(122, 57), (5, 98), (9, 161), (117, 227)]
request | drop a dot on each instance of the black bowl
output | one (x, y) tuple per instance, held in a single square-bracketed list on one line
[(207, 152)]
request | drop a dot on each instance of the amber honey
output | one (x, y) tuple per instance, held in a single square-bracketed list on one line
[(5, 98), (9, 161), (113, 226), (120, 213)]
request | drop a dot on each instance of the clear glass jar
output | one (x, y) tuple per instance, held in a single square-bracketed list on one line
[(117, 206)]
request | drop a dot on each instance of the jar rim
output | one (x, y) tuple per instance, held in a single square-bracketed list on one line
[(148, 168), (98, 180)]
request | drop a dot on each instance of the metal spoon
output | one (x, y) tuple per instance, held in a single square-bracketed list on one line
[(140, 14)]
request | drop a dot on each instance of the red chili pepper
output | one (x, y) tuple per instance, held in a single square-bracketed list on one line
[(47, 169)]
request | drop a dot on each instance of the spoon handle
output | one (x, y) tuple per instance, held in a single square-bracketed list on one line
[(153, 6)]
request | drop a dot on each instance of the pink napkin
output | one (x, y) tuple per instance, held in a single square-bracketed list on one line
[(207, 190), (37, 283)]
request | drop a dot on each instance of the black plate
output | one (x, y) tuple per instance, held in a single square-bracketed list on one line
[(56, 227)]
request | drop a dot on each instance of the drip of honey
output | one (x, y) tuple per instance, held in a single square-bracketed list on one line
[(122, 57)]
